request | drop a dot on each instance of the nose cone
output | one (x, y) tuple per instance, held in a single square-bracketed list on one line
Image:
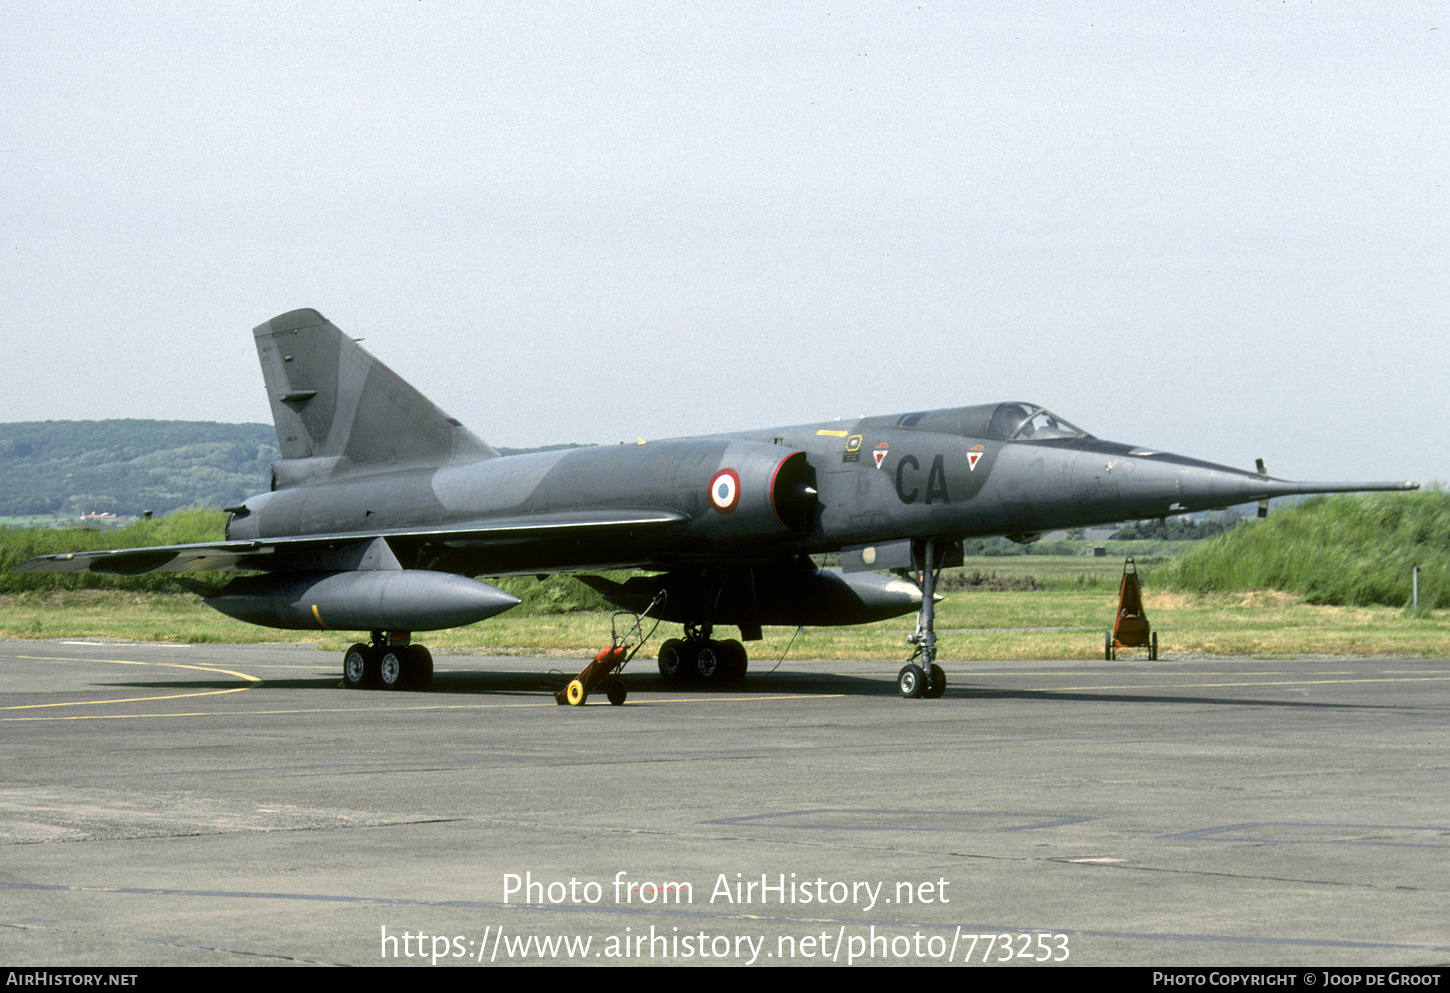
[(1139, 483)]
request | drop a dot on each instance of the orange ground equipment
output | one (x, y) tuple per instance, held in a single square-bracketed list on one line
[(608, 666), (602, 670), (1130, 628)]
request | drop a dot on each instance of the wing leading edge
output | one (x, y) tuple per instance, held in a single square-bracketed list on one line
[(347, 551)]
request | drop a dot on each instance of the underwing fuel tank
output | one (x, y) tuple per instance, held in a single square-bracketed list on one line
[(830, 597), (777, 595), (371, 600)]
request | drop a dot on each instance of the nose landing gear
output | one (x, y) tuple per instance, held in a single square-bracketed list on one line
[(926, 681)]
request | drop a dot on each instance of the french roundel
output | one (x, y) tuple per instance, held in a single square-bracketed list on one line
[(725, 490)]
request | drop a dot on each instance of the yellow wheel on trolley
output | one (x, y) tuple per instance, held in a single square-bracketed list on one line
[(576, 693)]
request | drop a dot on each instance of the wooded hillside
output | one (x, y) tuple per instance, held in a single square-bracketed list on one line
[(70, 468)]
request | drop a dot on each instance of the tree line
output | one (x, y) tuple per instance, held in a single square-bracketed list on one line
[(125, 467)]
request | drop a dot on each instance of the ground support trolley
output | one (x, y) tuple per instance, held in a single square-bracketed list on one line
[(1130, 627), (607, 669)]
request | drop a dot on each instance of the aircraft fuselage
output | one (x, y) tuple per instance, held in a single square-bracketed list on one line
[(756, 496)]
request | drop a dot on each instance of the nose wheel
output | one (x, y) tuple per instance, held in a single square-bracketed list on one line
[(913, 683)]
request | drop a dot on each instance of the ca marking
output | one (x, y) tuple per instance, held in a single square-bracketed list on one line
[(936, 479), (383, 509)]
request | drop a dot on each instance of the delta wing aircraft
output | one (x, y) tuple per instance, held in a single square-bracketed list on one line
[(383, 508)]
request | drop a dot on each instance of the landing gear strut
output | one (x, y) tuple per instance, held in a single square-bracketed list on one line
[(927, 680), (390, 662)]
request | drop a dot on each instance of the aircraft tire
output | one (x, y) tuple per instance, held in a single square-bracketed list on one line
[(576, 694), (910, 681), (357, 667), (736, 661), (420, 666), (672, 660), (616, 691), (710, 662), (938, 683), (1108, 646), (393, 668)]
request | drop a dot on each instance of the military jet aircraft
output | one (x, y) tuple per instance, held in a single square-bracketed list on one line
[(383, 508)]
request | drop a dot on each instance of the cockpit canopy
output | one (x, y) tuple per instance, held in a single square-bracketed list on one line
[(1028, 422), (1011, 421)]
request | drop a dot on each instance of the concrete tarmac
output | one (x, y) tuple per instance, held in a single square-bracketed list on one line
[(231, 804)]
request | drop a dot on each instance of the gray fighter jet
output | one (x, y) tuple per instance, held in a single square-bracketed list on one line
[(383, 508)]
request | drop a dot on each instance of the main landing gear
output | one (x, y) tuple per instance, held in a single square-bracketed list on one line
[(927, 680), (390, 662), (700, 659)]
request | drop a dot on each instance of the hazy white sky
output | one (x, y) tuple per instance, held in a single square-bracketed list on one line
[(1218, 229)]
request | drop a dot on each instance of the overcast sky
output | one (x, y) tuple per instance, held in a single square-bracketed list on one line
[(1213, 228)]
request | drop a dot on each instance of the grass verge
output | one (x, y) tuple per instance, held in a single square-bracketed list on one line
[(973, 623)]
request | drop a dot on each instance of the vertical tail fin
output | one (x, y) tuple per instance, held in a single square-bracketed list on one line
[(331, 399)]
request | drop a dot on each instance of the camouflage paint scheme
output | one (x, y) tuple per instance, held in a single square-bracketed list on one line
[(383, 505)]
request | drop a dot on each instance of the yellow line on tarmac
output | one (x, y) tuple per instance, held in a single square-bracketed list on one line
[(989, 673), (252, 681), (546, 702), (1196, 686), (954, 681)]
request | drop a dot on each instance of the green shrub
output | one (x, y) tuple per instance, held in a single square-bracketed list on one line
[(1345, 550), (186, 526)]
